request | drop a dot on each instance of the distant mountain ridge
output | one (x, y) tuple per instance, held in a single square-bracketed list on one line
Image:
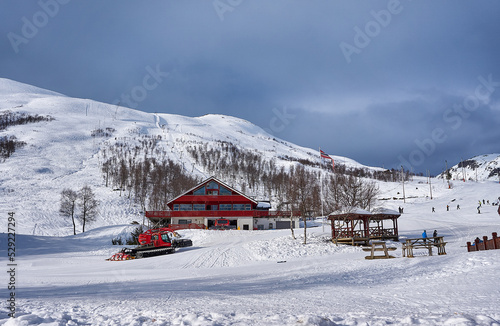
[(480, 168)]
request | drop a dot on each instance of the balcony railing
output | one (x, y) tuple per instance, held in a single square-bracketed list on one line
[(218, 213)]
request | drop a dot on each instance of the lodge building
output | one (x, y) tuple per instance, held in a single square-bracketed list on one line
[(211, 200)]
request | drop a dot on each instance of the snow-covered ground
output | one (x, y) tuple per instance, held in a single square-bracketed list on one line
[(267, 278)]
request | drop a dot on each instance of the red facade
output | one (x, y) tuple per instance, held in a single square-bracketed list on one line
[(213, 196), (212, 199)]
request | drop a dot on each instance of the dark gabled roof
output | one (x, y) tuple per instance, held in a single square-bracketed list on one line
[(220, 183)]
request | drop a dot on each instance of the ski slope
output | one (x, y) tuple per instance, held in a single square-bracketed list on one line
[(268, 278)]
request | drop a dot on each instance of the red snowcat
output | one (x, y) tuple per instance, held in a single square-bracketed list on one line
[(154, 242)]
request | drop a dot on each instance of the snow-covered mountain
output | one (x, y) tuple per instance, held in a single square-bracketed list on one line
[(478, 168), (66, 149)]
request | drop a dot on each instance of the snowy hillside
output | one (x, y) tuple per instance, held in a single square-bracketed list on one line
[(480, 168), (67, 151)]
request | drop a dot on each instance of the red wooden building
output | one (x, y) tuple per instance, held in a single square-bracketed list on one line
[(211, 200)]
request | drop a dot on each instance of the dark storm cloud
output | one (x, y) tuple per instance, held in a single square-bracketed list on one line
[(372, 80)]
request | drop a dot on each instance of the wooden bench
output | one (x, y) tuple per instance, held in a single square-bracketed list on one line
[(354, 241), (424, 243), (379, 246)]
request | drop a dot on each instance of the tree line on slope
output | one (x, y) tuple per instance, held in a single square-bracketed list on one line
[(142, 170), (9, 118), (9, 144), (144, 173)]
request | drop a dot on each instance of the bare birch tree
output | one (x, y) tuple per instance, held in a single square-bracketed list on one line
[(68, 205), (88, 206)]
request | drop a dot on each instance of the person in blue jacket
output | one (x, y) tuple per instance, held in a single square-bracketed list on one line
[(424, 235)]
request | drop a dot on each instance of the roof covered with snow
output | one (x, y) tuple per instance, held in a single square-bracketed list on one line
[(384, 211)]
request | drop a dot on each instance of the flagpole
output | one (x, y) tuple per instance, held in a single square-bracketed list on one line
[(321, 193)]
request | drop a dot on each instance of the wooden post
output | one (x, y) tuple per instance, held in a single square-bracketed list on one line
[(476, 244), (469, 246), (485, 242), (495, 245)]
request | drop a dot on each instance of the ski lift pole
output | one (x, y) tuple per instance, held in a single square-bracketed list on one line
[(403, 179)]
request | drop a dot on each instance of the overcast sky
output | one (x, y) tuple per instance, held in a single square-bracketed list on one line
[(387, 83)]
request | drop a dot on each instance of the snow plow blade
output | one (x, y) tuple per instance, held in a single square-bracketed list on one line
[(181, 243)]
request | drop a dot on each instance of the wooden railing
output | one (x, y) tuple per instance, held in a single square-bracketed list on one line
[(176, 227), (484, 244), (376, 232), (221, 213)]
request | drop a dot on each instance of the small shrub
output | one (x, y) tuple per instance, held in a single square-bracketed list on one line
[(134, 240)]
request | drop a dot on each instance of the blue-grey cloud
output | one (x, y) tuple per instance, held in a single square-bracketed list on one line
[(372, 80)]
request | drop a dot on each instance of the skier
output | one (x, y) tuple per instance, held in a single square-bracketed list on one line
[(434, 235), (447, 207), (478, 209), (424, 236), (458, 206), (433, 210)]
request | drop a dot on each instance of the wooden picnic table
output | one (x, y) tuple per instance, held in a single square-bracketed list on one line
[(379, 246), (424, 243)]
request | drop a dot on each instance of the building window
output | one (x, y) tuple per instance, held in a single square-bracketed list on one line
[(213, 185), (239, 207), (176, 207), (224, 191), (184, 221), (186, 207), (199, 191), (198, 207), (213, 192), (242, 207), (225, 207)]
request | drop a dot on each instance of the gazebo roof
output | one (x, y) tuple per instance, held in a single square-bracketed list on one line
[(379, 211), (359, 213), (350, 212)]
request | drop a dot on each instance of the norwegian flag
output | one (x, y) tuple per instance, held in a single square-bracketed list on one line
[(324, 155)]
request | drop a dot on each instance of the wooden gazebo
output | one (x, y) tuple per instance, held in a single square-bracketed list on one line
[(384, 224), (358, 226)]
